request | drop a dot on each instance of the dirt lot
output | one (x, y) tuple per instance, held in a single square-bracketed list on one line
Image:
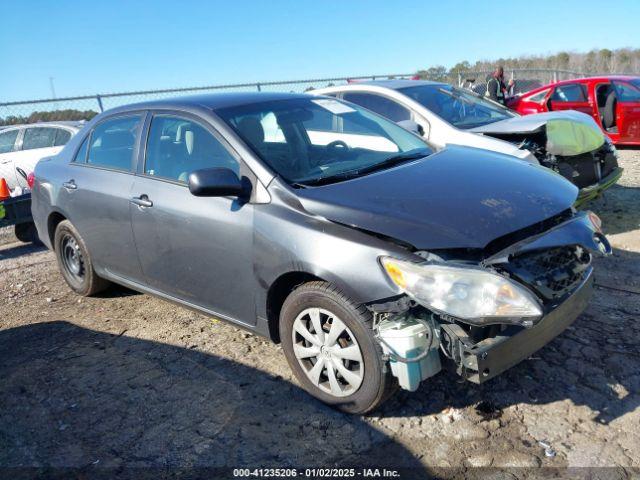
[(126, 381)]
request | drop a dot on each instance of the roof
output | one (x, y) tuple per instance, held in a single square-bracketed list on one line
[(601, 78), (398, 84), (214, 101)]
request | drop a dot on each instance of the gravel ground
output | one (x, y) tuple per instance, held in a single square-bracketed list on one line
[(126, 381)]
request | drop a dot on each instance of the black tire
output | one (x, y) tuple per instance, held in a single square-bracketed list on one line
[(85, 281), (26, 232), (377, 385)]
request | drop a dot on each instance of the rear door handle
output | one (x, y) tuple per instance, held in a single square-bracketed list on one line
[(142, 201), (70, 185)]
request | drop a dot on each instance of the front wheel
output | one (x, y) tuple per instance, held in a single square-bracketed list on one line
[(329, 343)]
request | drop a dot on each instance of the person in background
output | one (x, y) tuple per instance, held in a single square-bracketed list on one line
[(496, 88), (511, 88)]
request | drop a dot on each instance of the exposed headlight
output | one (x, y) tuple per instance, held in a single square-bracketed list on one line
[(473, 295)]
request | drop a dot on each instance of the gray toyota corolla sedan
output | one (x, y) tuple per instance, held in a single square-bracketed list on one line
[(375, 259)]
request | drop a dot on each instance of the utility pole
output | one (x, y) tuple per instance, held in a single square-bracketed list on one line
[(53, 90)]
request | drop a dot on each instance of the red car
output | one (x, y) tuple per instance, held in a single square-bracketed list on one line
[(613, 102)]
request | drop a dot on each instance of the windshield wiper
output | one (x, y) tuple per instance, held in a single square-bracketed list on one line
[(386, 163), (393, 160)]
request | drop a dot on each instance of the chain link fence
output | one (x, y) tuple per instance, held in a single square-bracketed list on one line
[(85, 107)]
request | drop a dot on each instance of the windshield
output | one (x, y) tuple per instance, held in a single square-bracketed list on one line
[(311, 141), (461, 108)]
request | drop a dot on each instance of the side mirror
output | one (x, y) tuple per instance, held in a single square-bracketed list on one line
[(412, 126), (216, 182)]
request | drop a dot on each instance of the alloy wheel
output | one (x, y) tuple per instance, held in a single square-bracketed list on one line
[(328, 352)]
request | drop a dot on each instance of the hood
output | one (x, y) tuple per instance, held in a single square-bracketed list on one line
[(568, 133), (459, 197)]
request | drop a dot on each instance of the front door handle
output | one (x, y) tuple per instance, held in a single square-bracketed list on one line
[(70, 185), (142, 201)]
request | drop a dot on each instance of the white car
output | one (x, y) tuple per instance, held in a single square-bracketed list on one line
[(22, 146), (568, 142)]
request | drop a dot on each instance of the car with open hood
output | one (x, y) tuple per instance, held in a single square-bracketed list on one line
[(612, 101), (373, 257), (569, 143)]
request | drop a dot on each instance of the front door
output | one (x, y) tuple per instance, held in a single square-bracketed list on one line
[(197, 249), (628, 111)]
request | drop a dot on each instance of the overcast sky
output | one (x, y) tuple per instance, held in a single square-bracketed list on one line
[(99, 47)]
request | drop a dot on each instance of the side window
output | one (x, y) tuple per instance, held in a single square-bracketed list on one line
[(81, 154), (178, 146), (62, 137), (113, 141), (538, 97), (39, 137), (7, 140), (627, 92), (573, 92), (380, 105)]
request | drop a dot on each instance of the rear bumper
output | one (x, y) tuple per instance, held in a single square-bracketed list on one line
[(592, 191), (482, 361)]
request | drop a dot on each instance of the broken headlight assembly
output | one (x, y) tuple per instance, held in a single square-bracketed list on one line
[(472, 295)]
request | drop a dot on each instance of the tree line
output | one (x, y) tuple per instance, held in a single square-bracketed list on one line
[(597, 61), (50, 116)]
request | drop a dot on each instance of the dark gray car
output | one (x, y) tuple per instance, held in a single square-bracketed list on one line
[(371, 256)]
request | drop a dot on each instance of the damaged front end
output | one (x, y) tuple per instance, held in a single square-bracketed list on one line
[(570, 143), (483, 312)]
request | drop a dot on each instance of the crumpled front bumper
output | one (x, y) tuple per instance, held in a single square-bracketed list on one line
[(479, 362), (593, 191)]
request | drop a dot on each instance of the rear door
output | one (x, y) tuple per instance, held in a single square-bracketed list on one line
[(196, 249), (571, 96), (96, 194), (8, 143), (628, 111)]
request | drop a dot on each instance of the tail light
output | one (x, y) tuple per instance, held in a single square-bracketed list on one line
[(31, 179)]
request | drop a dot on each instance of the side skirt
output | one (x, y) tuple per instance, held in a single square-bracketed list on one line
[(191, 306)]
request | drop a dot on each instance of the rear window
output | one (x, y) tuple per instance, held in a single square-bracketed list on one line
[(381, 105), (62, 137), (113, 141), (39, 137)]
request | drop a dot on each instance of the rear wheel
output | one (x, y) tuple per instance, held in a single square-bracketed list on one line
[(329, 344), (26, 232), (74, 261)]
